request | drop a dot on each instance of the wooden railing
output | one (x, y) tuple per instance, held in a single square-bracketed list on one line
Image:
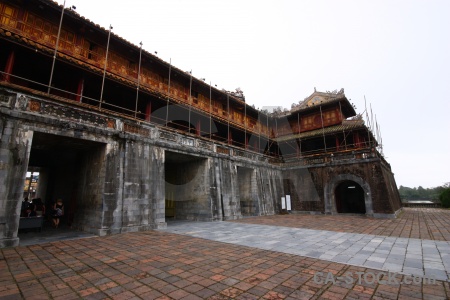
[(94, 55)]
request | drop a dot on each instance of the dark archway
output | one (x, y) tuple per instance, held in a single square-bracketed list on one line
[(69, 169), (187, 198), (349, 197)]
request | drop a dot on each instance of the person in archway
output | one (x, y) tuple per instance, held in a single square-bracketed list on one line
[(23, 209), (58, 212), (40, 207), (31, 210)]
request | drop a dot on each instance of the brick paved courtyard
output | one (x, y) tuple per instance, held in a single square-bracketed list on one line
[(419, 223), (160, 265)]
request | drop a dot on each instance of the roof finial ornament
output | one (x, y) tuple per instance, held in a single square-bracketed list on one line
[(314, 89)]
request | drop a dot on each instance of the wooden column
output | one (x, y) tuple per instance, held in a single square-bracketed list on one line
[(9, 66), (356, 141), (198, 127), (80, 88), (148, 111)]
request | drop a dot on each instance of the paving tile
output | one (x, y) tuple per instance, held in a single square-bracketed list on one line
[(413, 263), (166, 265)]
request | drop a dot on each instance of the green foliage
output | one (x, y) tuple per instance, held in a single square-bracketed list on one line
[(419, 193), (444, 197)]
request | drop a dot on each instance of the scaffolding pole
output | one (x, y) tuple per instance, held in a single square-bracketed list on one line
[(168, 93), (323, 129), (139, 79), (210, 111), (104, 69), (56, 48), (342, 120), (190, 100), (299, 137), (228, 114)]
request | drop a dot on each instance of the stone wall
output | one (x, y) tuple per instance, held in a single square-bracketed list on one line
[(115, 175), (111, 173), (312, 189), (15, 145)]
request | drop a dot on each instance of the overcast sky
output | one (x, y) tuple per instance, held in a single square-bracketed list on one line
[(394, 53)]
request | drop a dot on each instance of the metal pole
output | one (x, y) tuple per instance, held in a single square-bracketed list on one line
[(139, 79), (245, 126), (299, 137), (56, 48), (268, 134), (381, 142), (190, 100), (106, 63), (259, 132), (210, 112), (168, 93), (343, 131), (365, 105), (276, 135), (377, 130), (228, 116), (371, 117), (323, 130)]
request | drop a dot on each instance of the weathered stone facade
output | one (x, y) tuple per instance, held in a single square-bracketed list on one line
[(129, 141), (312, 189), (119, 180), (126, 172)]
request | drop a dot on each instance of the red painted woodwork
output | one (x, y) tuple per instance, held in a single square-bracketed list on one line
[(148, 110), (9, 66), (80, 90)]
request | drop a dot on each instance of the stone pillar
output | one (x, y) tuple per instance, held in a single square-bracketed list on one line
[(157, 194), (15, 146), (229, 191)]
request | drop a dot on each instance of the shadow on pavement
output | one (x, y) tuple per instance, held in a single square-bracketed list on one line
[(49, 234)]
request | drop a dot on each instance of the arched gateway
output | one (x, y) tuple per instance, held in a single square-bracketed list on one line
[(347, 193), (349, 198)]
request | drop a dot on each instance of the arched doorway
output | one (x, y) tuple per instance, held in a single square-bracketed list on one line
[(349, 197)]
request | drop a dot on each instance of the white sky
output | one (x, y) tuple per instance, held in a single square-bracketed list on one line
[(395, 53)]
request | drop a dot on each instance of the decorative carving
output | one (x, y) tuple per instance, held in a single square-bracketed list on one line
[(4, 99), (68, 126), (187, 142), (238, 153), (204, 145), (313, 161), (111, 123), (222, 150), (22, 102), (72, 114), (167, 136), (135, 129), (34, 106)]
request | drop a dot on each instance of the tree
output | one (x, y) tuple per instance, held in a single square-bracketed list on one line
[(444, 197), (420, 193)]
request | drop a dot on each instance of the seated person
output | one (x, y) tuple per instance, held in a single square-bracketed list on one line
[(30, 210), (40, 207), (58, 212)]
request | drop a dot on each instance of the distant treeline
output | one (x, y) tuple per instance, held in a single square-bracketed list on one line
[(419, 193)]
